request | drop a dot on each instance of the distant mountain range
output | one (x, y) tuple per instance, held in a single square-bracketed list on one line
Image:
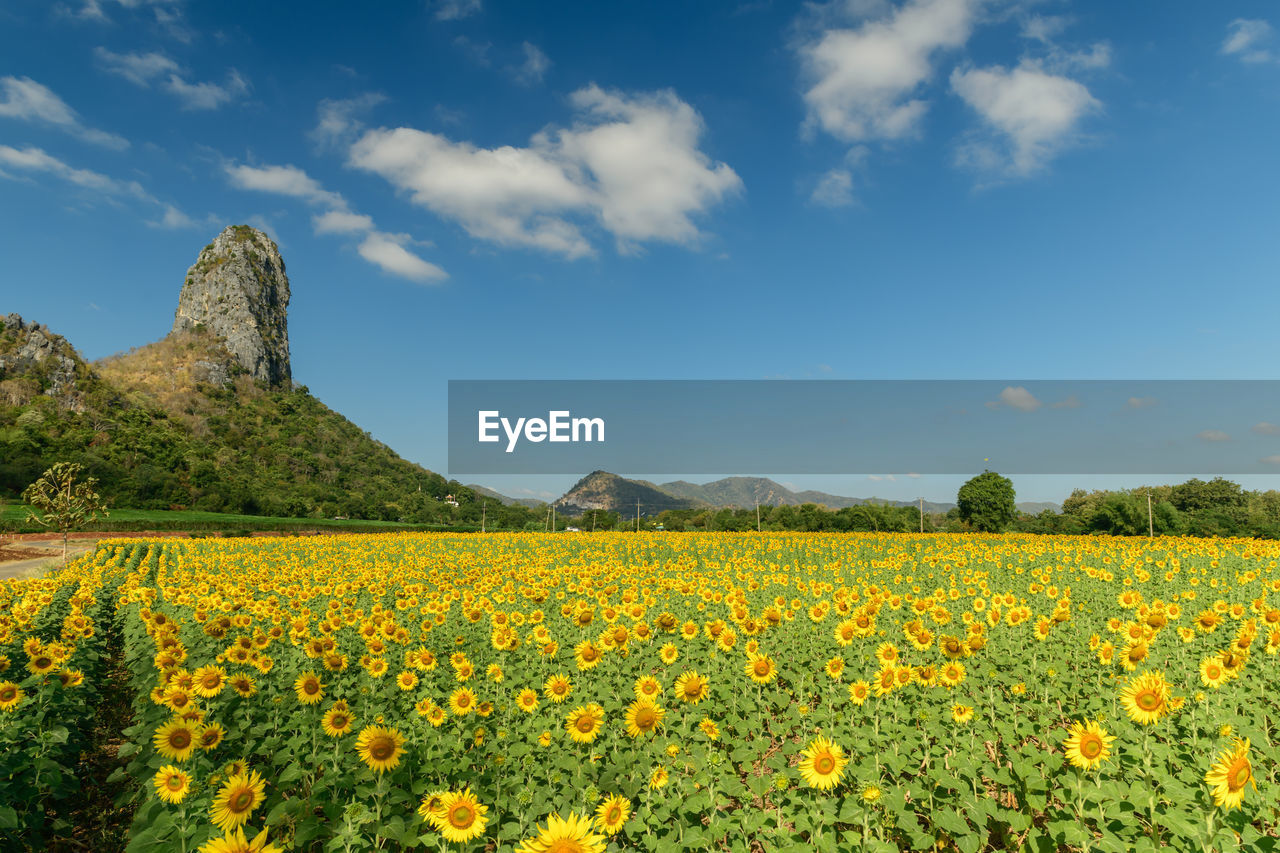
[(604, 491)]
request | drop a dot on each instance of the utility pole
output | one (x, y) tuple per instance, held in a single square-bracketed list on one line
[(922, 515), (757, 516), (553, 518), (1151, 529), (484, 507), (546, 524), (594, 513), (637, 516)]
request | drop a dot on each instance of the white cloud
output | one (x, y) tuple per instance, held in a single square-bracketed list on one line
[(144, 69), (283, 180), (534, 67), (341, 222), (867, 79), (1071, 402), (1016, 397), (1142, 402), (630, 162), (1265, 428), (31, 159), (338, 120), (1030, 115), (1213, 435), (386, 251), (1271, 460), (1245, 38), (452, 10), (174, 218), (26, 100), (834, 189)]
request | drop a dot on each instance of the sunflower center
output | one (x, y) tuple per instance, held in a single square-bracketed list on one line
[(585, 724), (1239, 775), (762, 667), (173, 783), (381, 749), (311, 688), (241, 802), (1149, 700), (462, 816), (1090, 746), (180, 739), (824, 764), (645, 718)]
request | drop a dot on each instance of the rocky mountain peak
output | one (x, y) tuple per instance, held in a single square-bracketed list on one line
[(238, 290)]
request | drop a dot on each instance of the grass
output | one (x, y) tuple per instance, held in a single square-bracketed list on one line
[(13, 518)]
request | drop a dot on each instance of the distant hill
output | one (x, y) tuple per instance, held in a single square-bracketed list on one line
[(601, 490), (207, 418), (484, 491)]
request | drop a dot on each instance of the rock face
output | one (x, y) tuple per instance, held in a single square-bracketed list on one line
[(36, 346), (238, 290)]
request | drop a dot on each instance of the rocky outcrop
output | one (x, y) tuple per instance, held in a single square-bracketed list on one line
[(33, 348), (238, 290)]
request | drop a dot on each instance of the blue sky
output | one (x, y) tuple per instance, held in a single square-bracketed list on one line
[(473, 189)]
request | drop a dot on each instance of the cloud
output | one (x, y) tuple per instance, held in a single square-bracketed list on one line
[(534, 67), (630, 163), (1265, 428), (1271, 460), (1029, 113), (834, 189), (1142, 402), (146, 69), (26, 100), (1016, 397), (453, 10), (341, 222), (866, 80), (1213, 435), (31, 159), (386, 251), (1245, 38), (913, 475), (1072, 402), (338, 120), (174, 218)]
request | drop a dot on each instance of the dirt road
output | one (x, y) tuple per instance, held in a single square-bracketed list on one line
[(34, 558)]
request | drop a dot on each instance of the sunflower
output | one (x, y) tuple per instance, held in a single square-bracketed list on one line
[(1229, 774), (406, 680), (648, 687), (691, 687), (858, 692), (243, 686), (462, 701), (460, 817), (1212, 672), (211, 734), (835, 668), (175, 740), (761, 669), (171, 783), (1088, 745), (871, 793), (962, 713), (237, 797), (380, 747), (587, 655), (612, 814), (309, 688), (709, 728), (557, 688), (886, 680), (1146, 698), (527, 700), (584, 722), (42, 663), (209, 681), (337, 722), (668, 653), (823, 763), (436, 716), (952, 674), (11, 695), (432, 806), (659, 778), (235, 842), (643, 717), (565, 835)]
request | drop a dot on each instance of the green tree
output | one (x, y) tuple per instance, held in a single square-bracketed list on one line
[(60, 503), (987, 502)]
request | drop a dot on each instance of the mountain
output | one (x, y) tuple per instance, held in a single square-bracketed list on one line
[(486, 492), (601, 490), (206, 418)]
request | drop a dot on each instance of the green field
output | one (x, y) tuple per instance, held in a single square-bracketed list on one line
[(13, 520)]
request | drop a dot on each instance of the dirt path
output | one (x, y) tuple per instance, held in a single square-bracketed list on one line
[(50, 555)]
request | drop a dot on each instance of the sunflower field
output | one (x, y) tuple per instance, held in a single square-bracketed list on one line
[(618, 691)]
